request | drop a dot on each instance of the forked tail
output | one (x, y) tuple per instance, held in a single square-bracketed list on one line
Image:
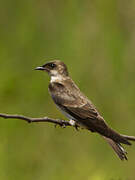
[(117, 147)]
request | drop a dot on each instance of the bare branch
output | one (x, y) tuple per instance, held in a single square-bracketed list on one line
[(60, 122)]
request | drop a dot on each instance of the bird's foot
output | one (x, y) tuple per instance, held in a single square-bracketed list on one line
[(74, 124), (61, 125)]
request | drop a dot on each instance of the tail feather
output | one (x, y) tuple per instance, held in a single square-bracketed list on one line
[(118, 138), (130, 138), (117, 147), (115, 140)]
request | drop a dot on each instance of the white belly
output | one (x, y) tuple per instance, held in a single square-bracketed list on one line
[(66, 114)]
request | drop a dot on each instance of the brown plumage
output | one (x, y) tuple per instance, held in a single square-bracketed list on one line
[(77, 107)]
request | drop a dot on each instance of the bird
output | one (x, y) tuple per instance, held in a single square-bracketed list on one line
[(79, 109)]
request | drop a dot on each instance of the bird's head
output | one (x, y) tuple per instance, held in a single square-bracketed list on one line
[(56, 69)]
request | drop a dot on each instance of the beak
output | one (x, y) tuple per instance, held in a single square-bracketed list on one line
[(41, 68)]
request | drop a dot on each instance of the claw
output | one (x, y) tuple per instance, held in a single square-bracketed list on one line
[(55, 125), (76, 127), (63, 126), (74, 124)]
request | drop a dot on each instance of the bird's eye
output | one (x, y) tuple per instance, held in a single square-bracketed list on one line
[(52, 65)]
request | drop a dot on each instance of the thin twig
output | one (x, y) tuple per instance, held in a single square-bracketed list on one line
[(60, 122)]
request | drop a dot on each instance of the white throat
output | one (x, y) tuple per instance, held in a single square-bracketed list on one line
[(56, 78)]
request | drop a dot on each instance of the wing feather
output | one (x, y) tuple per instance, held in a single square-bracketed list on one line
[(73, 102)]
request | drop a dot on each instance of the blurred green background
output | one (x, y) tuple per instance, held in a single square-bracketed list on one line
[(96, 39)]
